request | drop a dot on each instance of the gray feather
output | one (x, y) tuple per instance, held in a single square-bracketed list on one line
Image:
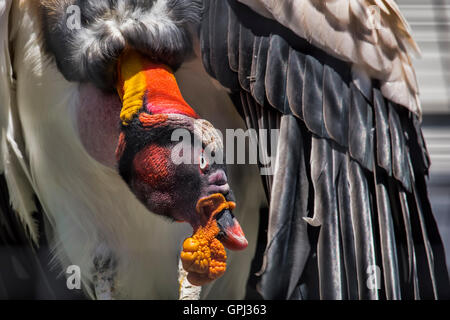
[(325, 163), (88, 53), (257, 85), (312, 96), (361, 129), (383, 148), (294, 85), (400, 167), (336, 100), (275, 80)]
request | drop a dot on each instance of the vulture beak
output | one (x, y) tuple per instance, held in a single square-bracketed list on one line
[(203, 254), (152, 108), (230, 234), (230, 231)]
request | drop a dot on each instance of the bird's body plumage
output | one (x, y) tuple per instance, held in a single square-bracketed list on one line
[(348, 198), (88, 204), (330, 93), (372, 35)]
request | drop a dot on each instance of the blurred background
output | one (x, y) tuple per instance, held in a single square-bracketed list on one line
[(430, 24)]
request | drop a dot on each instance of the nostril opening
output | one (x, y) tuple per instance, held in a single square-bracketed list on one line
[(215, 188), (218, 178), (221, 182)]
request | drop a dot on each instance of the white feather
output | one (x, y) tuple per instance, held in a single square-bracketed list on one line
[(382, 6), (388, 39), (339, 9), (12, 162), (20, 191), (5, 68)]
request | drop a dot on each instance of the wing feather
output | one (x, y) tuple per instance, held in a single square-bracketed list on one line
[(351, 30), (364, 160)]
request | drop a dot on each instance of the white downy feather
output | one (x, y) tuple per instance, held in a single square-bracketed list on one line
[(12, 162)]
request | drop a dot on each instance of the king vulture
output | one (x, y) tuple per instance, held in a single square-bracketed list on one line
[(89, 105)]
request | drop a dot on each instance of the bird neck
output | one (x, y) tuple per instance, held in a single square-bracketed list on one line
[(146, 85)]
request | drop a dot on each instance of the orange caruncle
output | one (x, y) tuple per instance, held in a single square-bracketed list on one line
[(203, 256)]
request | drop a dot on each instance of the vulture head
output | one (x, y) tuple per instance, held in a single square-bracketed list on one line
[(173, 162), (133, 47)]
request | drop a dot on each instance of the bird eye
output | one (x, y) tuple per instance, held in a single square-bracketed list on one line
[(203, 163)]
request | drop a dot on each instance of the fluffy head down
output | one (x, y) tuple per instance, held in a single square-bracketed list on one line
[(88, 36)]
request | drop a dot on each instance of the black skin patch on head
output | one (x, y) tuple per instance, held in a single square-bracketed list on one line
[(136, 138), (177, 196)]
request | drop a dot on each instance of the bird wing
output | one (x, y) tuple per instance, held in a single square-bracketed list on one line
[(370, 34), (23, 256), (349, 212)]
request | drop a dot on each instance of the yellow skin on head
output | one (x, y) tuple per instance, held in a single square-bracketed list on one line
[(203, 256)]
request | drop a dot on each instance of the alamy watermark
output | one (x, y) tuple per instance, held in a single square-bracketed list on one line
[(73, 21), (74, 277), (242, 147), (374, 277)]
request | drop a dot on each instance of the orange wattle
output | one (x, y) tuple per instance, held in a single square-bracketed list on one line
[(203, 256)]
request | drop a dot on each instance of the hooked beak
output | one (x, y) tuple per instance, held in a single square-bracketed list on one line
[(230, 234)]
